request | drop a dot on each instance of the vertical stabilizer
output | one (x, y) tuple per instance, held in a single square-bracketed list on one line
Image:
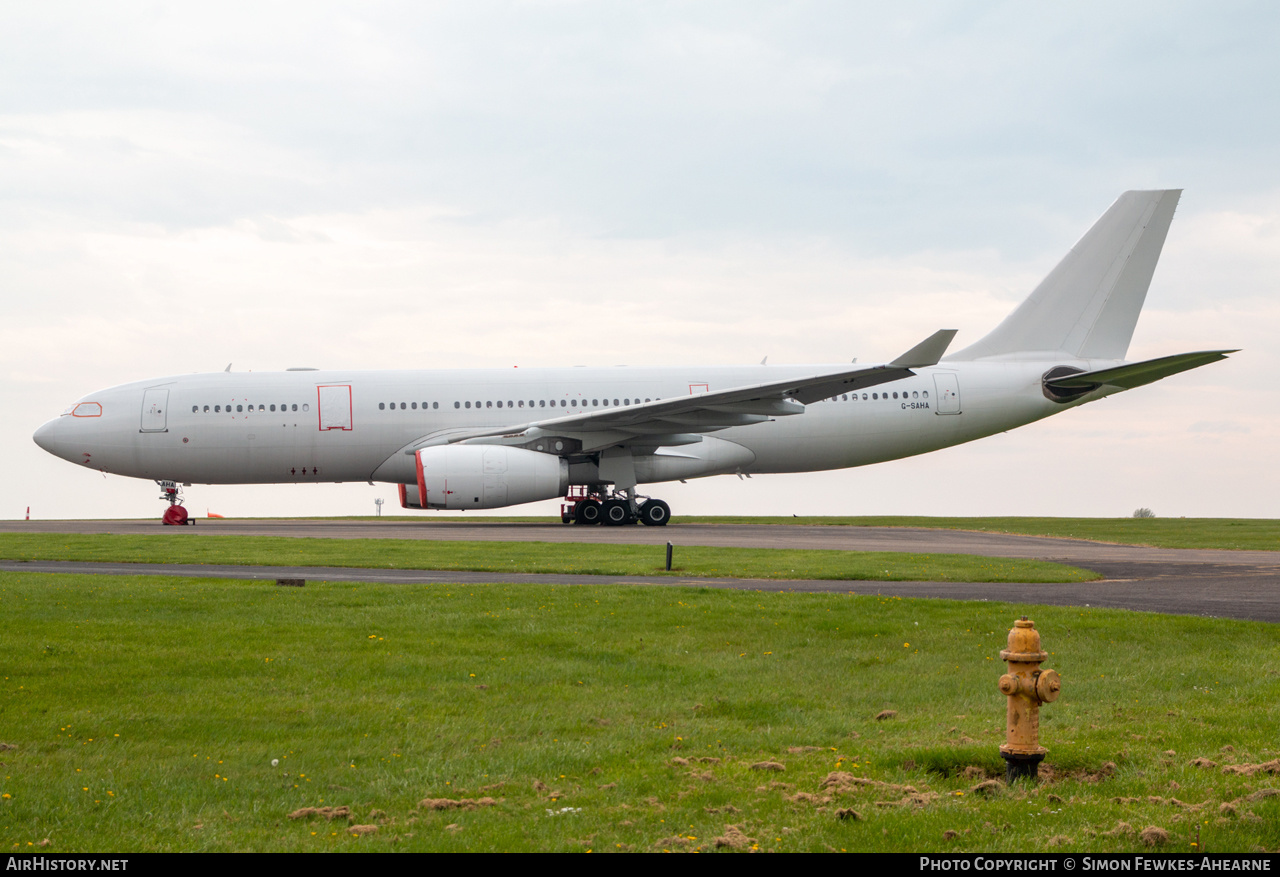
[(1088, 305)]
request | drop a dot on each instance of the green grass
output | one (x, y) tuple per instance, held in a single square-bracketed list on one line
[(145, 712), (534, 557), (1256, 534)]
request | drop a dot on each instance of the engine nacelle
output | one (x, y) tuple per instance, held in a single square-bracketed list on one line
[(409, 496), (487, 476)]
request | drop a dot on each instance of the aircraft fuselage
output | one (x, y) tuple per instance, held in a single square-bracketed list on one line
[(333, 426)]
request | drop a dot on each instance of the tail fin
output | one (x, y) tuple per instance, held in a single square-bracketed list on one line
[(1088, 305)]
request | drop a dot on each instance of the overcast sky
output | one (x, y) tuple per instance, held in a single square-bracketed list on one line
[(408, 185)]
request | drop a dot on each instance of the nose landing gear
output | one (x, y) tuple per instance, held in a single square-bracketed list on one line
[(175, 515)]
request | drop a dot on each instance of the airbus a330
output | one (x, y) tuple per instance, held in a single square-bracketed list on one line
[(489, 438)]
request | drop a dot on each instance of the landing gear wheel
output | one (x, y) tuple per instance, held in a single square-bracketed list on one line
[(616, 512), (655, 513), (175, 515), (587, 511)]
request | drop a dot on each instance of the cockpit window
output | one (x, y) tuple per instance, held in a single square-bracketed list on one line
[(87, 409)]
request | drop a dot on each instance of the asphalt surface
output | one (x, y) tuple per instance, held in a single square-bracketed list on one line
[(1228, 584)]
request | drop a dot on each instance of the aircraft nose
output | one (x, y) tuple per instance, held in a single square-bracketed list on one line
[(44, 435), (50, 438)]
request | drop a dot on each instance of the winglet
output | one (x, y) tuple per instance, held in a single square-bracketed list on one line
[(928, 351)]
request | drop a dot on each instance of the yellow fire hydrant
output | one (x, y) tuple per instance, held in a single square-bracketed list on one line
[(1026, 686)]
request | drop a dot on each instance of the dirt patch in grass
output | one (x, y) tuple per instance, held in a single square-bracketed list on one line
[(674, 841), (885, 714), (734, 838), (1248, 770), (775, 786), (766, 765), (841, 781), (917, 799), (1122, 829), (809, 798), (1154, 836), (362, 830), (329, 813), (455, 803)]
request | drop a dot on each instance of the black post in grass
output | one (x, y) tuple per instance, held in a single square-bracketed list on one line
[(668, 557)]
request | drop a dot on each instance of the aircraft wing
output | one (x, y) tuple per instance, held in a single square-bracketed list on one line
[(1136, 374), (678, 420)]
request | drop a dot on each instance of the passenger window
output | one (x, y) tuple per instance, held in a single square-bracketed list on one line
[(295, 406), (646, 400), (875, 395), (437, 404), (414, 406), (895, 395), (456, 405), (521, 403), (542, 403), (488, 405), (615, 401), (195, 409), (306, 407), (206, 409), (499, 403), (595, 402), (468, 404), (574, 403), (926, 394), (382, 406), (403, 406), (273, 407)]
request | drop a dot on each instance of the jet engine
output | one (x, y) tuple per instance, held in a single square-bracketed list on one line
[(487, 476)]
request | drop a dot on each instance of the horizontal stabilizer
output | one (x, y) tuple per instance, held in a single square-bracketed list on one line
[(927, 352), (1136, 374)]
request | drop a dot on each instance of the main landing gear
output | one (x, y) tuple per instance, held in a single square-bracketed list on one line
[(175, 515), (593, 505)]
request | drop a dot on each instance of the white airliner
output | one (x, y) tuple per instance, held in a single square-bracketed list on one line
[(484, 439)]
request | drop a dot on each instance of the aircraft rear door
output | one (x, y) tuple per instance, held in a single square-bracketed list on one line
[(948, 388), (155, 407)]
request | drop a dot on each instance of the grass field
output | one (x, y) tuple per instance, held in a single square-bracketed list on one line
[(1257, 534), (143, 713), (535, 557)]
